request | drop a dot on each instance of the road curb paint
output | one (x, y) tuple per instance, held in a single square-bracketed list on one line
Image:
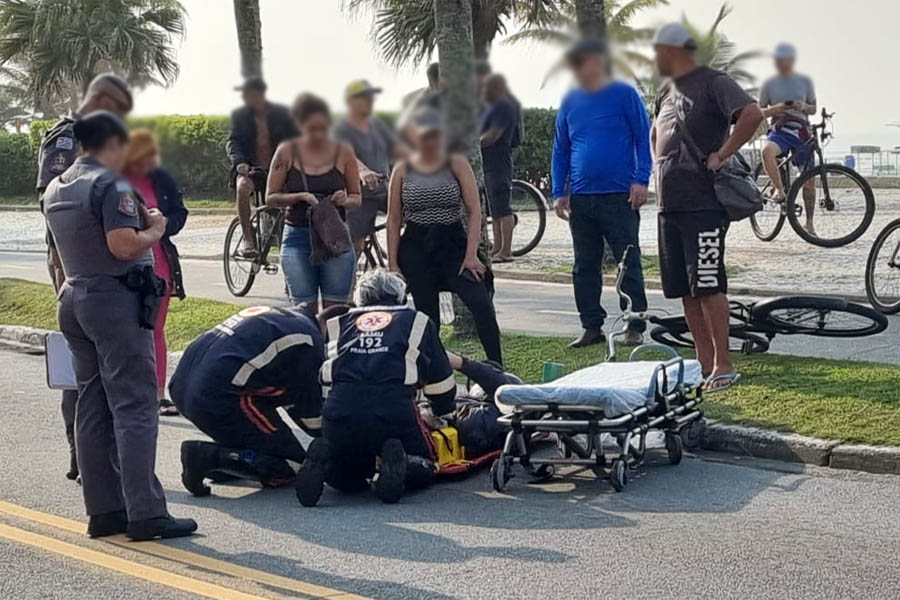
[(164, 551)]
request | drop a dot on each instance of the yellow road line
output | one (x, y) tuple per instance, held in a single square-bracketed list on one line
[(184, 556), (130, 568)]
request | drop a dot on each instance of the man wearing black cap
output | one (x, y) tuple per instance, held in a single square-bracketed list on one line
[(105, 307), (702, 118), (256, 130), (58, 150), (600, 171)]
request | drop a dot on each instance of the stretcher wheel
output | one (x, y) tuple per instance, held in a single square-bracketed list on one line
[(692, 433), (544, 472), (618, 474), (674, 447), (499, 474)]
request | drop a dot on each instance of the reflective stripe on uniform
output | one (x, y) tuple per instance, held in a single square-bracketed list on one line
[(314, 423), (268, 355), (331, 350), (412, 351), (441, 387)]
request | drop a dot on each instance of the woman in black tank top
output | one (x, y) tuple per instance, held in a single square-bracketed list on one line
[(305, 170)]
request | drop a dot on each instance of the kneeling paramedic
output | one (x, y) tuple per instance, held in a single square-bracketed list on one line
[(230, 382), (380, 356)]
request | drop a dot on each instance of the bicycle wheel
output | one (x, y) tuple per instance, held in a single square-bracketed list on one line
[(239, 272), (530, 211), (883, 270), (842, 211), (768, 221), (818, 315), (738, 341)]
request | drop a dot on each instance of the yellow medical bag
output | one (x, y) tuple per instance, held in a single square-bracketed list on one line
[(447, 446)]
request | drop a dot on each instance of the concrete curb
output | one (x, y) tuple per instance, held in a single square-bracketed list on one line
[(719, 437)]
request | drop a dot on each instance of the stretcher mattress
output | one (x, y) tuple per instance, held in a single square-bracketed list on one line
[(615, 388)]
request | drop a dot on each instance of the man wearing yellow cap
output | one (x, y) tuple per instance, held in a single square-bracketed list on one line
[(375, 144)]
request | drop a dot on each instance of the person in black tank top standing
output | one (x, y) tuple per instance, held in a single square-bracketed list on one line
[(437, 252), (305, 170)]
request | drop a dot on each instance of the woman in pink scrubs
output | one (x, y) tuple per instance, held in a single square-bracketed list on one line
[(158, 190)]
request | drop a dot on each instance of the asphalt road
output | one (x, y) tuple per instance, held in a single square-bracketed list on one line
[(710, 528), (527, 307)]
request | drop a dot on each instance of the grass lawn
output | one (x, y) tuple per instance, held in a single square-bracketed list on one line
[(852, 401)]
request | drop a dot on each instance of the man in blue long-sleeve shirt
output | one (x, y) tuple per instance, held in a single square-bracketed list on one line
[(601, 168)]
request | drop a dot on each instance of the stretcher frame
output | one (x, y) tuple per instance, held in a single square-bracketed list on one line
[(670, 412)]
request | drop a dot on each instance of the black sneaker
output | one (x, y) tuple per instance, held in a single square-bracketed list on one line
[(588, 337), (106, 524), (198, 459), (390, 480), (311, 477), (160, 527)]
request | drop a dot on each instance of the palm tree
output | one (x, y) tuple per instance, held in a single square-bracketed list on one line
[(591, 18), (62, 44), (575, 20), (404, 30), (249, 32), (715, 50)]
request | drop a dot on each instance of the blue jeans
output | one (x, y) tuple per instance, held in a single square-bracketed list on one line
[(303, 280), (593, 218)]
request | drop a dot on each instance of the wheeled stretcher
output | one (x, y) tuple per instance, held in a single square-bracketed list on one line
[(625, 400)]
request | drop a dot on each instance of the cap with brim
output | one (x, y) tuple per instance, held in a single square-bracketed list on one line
[(360, 87), (674, 35), (585, 47), (110, 81), (426, 119), (785, 51), (252, 84)]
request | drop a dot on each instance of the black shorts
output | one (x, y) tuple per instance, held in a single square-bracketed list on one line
[(692, 253), (499, 193)]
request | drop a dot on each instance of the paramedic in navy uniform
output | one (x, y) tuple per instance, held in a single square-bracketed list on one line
[(378, 357), (104, 234), (230, 382)]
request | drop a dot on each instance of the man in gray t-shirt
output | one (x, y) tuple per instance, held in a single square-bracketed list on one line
[(375, 145), (788, 99)]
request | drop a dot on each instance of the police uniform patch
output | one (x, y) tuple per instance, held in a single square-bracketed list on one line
[(373, 321), (65, 143), (59, 164), (128, 204), (123, 186)]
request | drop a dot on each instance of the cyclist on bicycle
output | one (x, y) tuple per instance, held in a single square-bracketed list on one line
[(256, 130), (788, 99)]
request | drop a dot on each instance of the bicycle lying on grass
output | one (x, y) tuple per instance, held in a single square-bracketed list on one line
[(755, 324), (843, 207), (267, 223), (883, 270)]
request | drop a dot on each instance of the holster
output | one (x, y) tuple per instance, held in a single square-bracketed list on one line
[(149, 288)]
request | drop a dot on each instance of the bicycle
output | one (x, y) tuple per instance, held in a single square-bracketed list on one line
[(883, 270), (847, 199), (530, 212), (267, 223), (754, 325)]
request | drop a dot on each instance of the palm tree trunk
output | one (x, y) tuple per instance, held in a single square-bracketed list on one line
[(591, 17), (459, 103), (484, 27), (249, 32)]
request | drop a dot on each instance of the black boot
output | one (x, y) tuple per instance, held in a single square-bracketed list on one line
[(311, 478), (390, 481), (160, 527), (589, 336), (198, 459), (73, 465), (420, 472), (106, 524)]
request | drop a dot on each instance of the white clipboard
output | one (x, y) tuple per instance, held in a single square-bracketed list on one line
[(58, 357)]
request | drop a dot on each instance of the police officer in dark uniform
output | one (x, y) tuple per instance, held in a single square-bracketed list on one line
[(231, 381), (57, 153), (103, 234), (379, 356)]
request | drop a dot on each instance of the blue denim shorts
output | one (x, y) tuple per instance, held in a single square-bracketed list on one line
[(304, 281)]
